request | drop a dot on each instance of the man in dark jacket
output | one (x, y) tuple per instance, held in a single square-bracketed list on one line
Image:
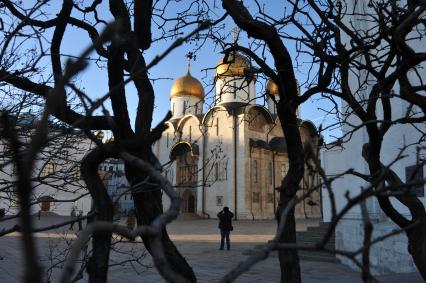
[(225, 226)]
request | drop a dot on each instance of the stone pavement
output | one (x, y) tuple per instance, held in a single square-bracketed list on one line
[(198, 240)]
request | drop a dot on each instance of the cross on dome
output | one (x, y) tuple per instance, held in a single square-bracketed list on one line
[(190, 56), (235, 33)]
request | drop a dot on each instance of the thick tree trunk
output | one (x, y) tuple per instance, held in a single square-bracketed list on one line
[(289, 259), (148, 205), (97, 267), (416, 234), (417, 247)]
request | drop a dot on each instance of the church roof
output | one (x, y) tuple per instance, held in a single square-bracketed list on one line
[(187, 86), (234, 65), (183, 147)]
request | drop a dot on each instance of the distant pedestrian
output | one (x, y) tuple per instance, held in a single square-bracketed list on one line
[(39, 214), (73, 216), (225, 226), (80, 221)]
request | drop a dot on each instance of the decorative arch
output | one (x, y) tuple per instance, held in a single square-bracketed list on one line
[(257, 117), (310, 127), (186, 118), (265, 112), (182, 148), (170, 125), (210, 112)]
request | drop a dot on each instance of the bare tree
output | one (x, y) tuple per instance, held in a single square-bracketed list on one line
[(365, 68), (364, 54), (120, 46)]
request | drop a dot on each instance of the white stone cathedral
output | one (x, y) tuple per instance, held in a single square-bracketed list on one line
[(234, 154)]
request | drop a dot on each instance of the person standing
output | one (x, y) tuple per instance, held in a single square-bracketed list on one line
[(73, 216), (80, 221), (225, 225)]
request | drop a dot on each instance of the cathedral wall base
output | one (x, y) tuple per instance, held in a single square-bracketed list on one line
[(386, 257)]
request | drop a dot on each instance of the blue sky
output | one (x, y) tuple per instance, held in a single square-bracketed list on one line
[(94, 80)]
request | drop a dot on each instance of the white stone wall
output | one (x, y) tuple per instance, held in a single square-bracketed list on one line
[(388, 256), (219, 146), (186, 104), (235, 89), (72, 187)]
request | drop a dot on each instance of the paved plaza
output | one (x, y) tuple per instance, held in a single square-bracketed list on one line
[(198, 240)]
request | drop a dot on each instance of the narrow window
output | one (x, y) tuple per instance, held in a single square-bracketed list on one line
[(255, 171), (167, 140), (217, 126), (48, 169), (184, 107), (65, 154), (235, 90), (190, 133), (283, 170), (76, 173), (270, 172)]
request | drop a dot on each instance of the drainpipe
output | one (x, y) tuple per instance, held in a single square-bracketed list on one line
[(251, 188), (273, 180), (203, 185), (235, 161), (273, 165)]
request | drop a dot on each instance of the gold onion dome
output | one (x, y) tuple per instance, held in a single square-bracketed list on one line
[(187, 86), (234, 67), (272, 88), (100, 135)]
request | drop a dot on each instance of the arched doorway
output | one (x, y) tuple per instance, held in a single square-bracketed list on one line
[(186, 157), (188, 199), (45, 202)]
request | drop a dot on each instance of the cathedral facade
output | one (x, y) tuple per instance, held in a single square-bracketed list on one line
[(234, 154)]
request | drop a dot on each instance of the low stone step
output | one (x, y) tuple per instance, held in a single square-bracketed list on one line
[(303, 255), (317, 256), (313, 241), (328, 246)]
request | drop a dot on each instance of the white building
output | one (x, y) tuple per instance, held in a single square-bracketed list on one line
[(234, 154), (57, 184), (117, 186), (391, 255)]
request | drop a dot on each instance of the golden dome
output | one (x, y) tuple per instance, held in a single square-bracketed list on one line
[(272, 88), (235, 66), (187, 85), (100, 135)]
